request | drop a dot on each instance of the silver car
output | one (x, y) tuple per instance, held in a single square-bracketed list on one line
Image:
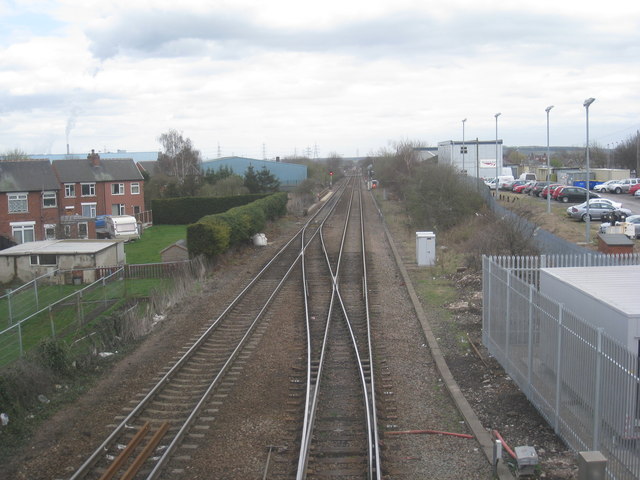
[(622, 185), (597, 209)]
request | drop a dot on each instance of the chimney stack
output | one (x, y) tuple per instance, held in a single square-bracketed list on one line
[(67, 149), (94, 158)]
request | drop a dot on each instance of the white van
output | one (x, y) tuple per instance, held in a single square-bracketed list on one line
[(503, 180), (122, 227)]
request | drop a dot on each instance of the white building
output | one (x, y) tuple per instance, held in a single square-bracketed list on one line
[(476, 157), (33, 259)]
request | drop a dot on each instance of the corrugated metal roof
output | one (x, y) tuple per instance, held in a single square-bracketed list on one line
[(58, 247), (27, 176), (617, 286), (82, 170)]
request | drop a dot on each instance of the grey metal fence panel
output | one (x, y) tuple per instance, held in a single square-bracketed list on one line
[(583, 383)]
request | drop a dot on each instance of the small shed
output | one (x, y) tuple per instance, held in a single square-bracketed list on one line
[(175, 252), (78, 258), (614, 243)]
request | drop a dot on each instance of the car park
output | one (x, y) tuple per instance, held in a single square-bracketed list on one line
[(597, 209), (622, 185), (573, 194)]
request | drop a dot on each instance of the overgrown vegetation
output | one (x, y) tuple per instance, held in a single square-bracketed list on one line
[(437, 198)]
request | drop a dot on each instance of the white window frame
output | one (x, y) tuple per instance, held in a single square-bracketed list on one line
[(135, 188), (91, 187), (70, 190), (22, 227), (89, 208), (49, 195), (117, 209), (117, 189), (17, 199)]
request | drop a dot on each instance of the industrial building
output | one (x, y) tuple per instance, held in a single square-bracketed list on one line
[(288, 174)]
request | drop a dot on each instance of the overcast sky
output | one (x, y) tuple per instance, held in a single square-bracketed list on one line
[(282, 77)]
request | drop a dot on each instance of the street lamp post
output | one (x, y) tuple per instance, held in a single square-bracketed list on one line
[(548, 109), (463, 147), (496, 116), (586, 104)]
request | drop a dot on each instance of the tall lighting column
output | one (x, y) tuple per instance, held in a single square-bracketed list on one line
[(496, 116), (586, 104), (548, 109), (463, 147)]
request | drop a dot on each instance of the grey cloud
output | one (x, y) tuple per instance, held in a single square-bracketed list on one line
[(402, 35)]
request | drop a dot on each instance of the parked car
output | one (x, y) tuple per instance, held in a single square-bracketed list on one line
[(573, 194), (597, 209), (634, 188), (603, 187), (635, 221), (515, 184), (504, 181), (537, 188), (622, 185), (556, 191), (548, 190), (521, 188)]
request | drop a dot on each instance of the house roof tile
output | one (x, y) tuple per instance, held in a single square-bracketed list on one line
[(27, 176)]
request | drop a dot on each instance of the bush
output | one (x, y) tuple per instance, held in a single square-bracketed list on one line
[(186, 210)]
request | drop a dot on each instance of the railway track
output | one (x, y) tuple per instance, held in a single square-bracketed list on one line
[(336, 430), (339, 435), (183, 393)]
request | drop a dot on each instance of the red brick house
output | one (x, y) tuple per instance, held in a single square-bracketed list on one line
[(29, 201), (92, 186)]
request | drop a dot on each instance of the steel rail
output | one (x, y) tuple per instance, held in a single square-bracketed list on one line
[(373, 455), (305, 429), (84, 469)]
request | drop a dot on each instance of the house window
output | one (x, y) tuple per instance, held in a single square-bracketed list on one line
[(49, 232), (83, 230), (44, 259), (18, 203), (49, 199), (67, 231), (135, 189), (23, 232), (69, 190), (88, 189), (117, 189), (136, 209), (89, 210), (117, 209)]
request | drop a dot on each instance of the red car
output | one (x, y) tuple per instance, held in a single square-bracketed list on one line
[(556, 191), (634, 188), (549, 189), (520, 188)]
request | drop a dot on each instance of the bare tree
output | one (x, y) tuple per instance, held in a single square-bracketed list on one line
[(178, 157)]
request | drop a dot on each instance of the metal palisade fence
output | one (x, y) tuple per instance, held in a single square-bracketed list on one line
[(584, 383)]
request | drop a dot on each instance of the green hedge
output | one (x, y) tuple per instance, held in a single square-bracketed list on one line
[(186, 210), (214, 234)]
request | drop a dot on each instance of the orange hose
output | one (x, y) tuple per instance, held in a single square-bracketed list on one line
[(504, 444), (437, 432)]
